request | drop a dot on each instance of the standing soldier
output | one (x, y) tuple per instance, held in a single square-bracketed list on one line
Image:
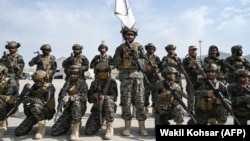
[(45, 62), (8, 95), (166, 106), (103, 94), (102, 57), (39, 105), (208, 106), (152, 74), (131, 77), (240, 96), (74, 104), (193, 67), (172, 60), (76, 58), (214, 57), (13, 61), (237, 61)]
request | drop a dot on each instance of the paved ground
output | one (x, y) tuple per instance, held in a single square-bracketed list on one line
[(13, 122)]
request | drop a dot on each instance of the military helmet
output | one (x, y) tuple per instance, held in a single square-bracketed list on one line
[(102, 45), (211, 67), (46, 47), (102, 65), (12, 44), (241, 72), (74, 68), (170, 46), (39, 74), (77, 46), (126, 29), (236, 48), (150, 45), (168, 70), (212, 47), (2, 69)]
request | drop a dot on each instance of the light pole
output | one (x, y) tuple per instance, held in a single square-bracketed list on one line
[(200, 41)]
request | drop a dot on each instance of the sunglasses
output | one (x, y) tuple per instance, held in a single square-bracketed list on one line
[(130, 34)]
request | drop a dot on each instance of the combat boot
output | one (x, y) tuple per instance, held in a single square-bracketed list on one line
[(212, 121), (3, 127), (142, 129), (134, 112), (126, 130), (179, 123), (41, 129), (109, 131), (75, 132)]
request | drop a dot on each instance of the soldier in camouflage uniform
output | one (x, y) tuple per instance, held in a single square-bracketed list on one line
[(74, 105), (13, 61), (39, 105), (8, 95), (193, 67), (237, 61), (208, 107), (214, 57), (45, 62), (166, 107), (172, 60), (240, 96), (103, 91), (76, 58), (152, 74), (132, 89)]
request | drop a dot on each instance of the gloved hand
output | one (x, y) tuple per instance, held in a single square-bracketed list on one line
[(26, 100), (66, 99), (10, 99), (175, 102)]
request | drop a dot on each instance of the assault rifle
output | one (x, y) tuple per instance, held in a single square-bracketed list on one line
[(154, 68), (179, 99), (183, 71), (19, 101), (63, 92), (7, 60), (221, 97), (232, 68), (137, 61), (99, 103)]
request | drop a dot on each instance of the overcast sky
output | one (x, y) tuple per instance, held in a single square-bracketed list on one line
[(63, 23)]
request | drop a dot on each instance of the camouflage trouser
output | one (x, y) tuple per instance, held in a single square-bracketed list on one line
[(132, 90), (36, 113), (4, 109), (175, 113), (191, 97), (219, 113), (150, 89), (71, 115), (93, 123)]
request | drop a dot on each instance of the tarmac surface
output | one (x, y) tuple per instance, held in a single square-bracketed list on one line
[(118, 124)]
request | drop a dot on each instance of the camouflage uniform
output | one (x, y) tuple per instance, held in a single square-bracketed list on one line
[(240, 97), (172, 60), (74, 104), (215, 59), (107, 87), (45, 61), (166, 107), (207, 108), (152, 74), (237, 61), (78, 59), (194, 72), (132, 89), (13, 61), (39, 105), (8, 95)]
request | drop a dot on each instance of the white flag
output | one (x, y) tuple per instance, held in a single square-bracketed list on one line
[(124, 13)]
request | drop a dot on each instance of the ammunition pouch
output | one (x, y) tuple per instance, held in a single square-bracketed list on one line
[(204, 103), (128, 64)]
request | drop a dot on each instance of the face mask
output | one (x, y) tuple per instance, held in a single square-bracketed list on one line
[(103, 75)]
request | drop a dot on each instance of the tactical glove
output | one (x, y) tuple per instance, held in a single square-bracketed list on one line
[(10, 99)]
